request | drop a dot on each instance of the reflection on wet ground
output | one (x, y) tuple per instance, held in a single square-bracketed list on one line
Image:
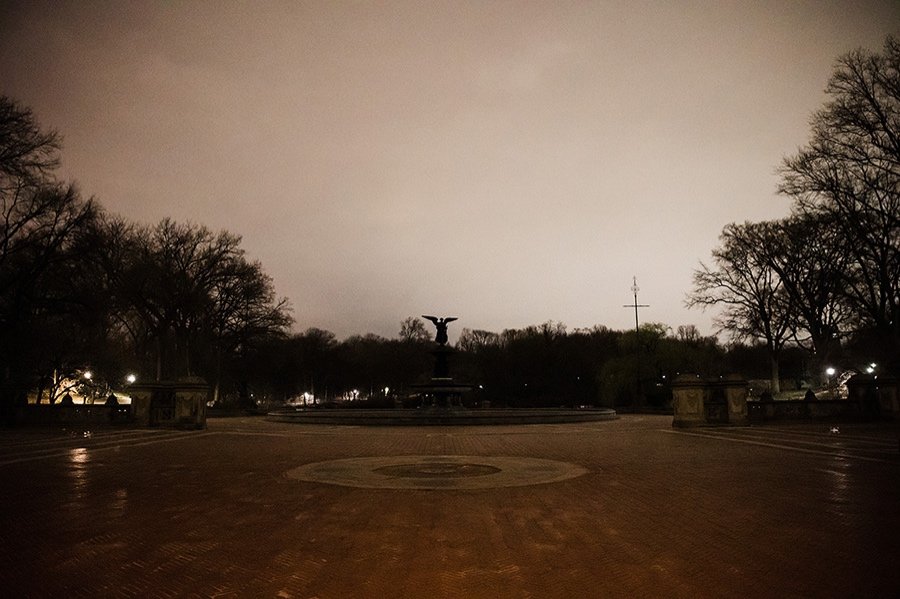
[(79, 476), (652, 512)]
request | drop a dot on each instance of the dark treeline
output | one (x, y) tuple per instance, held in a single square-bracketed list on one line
[(88, 297), (537, 366)]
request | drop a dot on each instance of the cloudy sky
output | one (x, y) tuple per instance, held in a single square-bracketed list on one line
[(504, 162)]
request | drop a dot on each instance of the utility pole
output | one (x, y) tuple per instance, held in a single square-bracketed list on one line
[(637, 338), (636, 305)]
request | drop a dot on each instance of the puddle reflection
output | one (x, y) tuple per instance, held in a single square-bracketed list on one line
[(120, 500), (839, 486), (78, 472)]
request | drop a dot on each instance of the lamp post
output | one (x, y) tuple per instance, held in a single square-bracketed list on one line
[(89, 398), (830, 373)]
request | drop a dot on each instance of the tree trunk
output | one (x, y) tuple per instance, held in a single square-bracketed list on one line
[(218, 382), (13, 393), (187, 354), (775, 382)]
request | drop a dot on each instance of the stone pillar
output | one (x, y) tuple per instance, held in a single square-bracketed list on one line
[(188, 411), (190, 403), (889, 397), (441, 362), (688, 392), (861, 389), (736, 398), (140, 404)]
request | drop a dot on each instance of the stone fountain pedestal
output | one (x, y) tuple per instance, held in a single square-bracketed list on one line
[(441, 391), (178, 404)]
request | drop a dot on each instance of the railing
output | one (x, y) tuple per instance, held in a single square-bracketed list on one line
[(90, 414), (761, 411)]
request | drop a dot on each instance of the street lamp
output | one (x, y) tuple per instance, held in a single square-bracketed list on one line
[(831, 390), (131, 379), (89, 398)]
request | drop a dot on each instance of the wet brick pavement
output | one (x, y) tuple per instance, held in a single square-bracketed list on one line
[(771, 511)]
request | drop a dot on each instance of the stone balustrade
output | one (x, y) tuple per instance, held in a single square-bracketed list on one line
[(708, 402), (180, 404)]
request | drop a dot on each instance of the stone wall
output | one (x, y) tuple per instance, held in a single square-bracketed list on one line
[(878, 396), (723, 401), (869, 398), (179, 404), (709, 402), (829, 409), (89, 415)]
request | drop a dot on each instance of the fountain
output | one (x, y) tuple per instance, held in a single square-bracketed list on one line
[(441, 388), (441, 403)]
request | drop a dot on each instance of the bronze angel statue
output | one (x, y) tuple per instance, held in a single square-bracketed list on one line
[(441, 325)]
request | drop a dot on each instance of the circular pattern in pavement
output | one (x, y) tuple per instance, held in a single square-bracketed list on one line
[(436, 472)]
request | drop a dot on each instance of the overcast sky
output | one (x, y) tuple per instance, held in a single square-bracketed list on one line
[(508, 163)]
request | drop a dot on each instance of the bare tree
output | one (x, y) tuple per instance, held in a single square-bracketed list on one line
[(749, 290), (412, 329), (41, 221), (809, 257), (850, 170), (185, 289), (688, 333), (474, 340), (26, 151)]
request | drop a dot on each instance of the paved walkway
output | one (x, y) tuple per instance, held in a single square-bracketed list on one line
[(786, 511)]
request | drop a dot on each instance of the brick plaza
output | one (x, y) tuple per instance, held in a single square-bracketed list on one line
[(762, 511)]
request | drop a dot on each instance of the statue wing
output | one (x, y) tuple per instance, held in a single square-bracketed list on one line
[(450, 319), (431, 318)]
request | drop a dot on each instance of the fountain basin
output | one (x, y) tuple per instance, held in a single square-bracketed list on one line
[(440, 416)]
